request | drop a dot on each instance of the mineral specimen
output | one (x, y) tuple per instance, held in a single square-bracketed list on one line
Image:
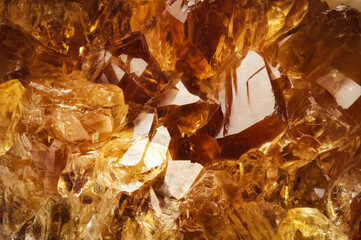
[(180, 119)]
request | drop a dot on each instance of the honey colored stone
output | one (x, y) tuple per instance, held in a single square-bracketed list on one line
[(227, 214), (20, 186), (344, 191), (334, 44), (180, 119), (126, 166), (307, 223), (129, 65), (59, 26), (97, 112), (11, 93), (72, 131), (176, 171)]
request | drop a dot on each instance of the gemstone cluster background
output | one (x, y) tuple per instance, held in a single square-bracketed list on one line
[(180, 119)]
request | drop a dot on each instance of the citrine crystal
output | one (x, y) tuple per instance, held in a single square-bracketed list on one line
[(11, 111), (180, 119)]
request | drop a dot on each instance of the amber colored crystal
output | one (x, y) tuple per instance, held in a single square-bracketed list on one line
[(303, 223), (180, 119), (11, 111)]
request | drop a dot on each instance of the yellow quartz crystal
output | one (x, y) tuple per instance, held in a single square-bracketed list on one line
[(180, 119), (11, 103)]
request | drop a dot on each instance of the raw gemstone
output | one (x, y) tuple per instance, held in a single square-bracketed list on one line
[(11, 93), (306, 223), (180, 119)]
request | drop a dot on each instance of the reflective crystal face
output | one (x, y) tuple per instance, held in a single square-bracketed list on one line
[(180, 119)]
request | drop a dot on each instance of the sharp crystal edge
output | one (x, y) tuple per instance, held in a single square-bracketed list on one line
[(180, 119)]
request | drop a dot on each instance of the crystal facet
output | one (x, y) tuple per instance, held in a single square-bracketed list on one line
[(180, 119)]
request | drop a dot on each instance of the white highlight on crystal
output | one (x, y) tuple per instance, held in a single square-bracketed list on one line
[(179, 97), (155, 155), (180, 176), (178, 11), (107, 56), (319, 192), (344, 90), (183, 96), (143, 124), (246, 112), (137, 66), (119, 72)]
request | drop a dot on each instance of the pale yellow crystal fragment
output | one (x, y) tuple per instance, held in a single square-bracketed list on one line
[(128, 169), (21, 193), (339, 198), (11, 106), (308, 223), (180, 176), (277, 14), (79, 110)]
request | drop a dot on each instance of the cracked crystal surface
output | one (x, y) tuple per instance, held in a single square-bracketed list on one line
[(180, 119)]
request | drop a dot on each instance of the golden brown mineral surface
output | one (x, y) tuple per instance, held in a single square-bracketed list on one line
[(180, 119)]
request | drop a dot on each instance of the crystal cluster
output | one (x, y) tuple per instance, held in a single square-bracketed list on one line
[(180, 119)]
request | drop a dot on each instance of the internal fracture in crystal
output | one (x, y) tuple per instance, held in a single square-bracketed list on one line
[(180, 119)]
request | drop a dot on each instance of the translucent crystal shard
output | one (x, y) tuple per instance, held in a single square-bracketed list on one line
[(214, 208), (59, 26), (180, 119), (249, 104), (24, 56), (180, 176), (76, 117), (127, 162), (21, 191), (305, 223), (129, 64), (253, 98), (98, 110), (11, 93), (344, 90), (355, 217), (340, 198), (334, 44)]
